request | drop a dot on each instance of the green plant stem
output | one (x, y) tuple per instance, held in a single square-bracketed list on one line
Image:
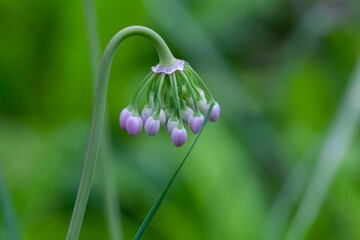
[(158, 95), (205, 88), (8, 210), (160, 199), (338, 140), (112, 202), (190, 90), (166, 58), (177, 99), (93, 36), (135, 100)]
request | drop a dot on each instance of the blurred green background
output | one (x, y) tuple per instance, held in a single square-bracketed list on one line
[(282, 162)]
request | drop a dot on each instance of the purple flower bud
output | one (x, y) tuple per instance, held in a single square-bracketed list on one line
[(195, 123), (134, 125), (203, 106), (152, 126), (178, 136), (171, 124), (124, 115), (187, 113), (146, 113), (215, 113), (162, 117)]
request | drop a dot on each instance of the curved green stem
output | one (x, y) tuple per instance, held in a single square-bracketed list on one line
[(106, 154), (166, 59)]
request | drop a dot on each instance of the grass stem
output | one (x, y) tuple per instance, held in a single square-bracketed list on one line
[(112, 202), (338, 140), (11, 225), (160, 199)]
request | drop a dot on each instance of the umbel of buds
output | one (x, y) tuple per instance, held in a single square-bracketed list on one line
[(175, 95)]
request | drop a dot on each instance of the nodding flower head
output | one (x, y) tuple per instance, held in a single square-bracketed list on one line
[(175, 95)]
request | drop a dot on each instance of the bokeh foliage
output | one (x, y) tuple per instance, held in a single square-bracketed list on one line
[(279, 70)]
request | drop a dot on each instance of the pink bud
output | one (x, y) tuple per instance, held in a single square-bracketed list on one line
[(195, 123), (125, 113), (171, 124), (215, 113), (203, 106), (187, 113), (162, 117), (152, 126), (178, 136), (146, 113), (133, 125)]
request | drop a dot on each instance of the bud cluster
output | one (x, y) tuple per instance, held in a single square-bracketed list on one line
[(175, 95)]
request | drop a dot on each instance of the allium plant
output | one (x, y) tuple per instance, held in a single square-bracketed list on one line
[(175, 95)]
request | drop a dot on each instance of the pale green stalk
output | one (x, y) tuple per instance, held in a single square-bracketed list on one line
[(112, 202), (338, 141), (174, 90), (286, 198), (294, 185), (188, 86), (93, 36), (165, 58), (11, 227)]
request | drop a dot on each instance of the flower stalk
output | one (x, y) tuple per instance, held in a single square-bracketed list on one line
[(166, 59), (161, 197), (168, 99)]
